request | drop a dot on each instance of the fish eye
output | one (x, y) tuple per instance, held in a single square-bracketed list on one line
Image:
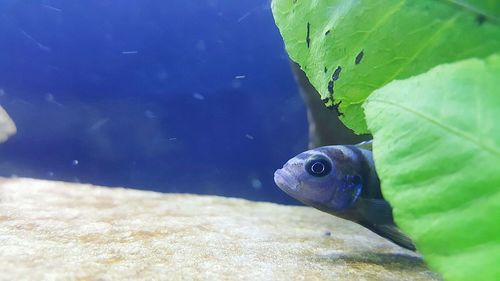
[(318, 166)]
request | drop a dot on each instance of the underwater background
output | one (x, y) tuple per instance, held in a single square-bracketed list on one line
[(172, 96)]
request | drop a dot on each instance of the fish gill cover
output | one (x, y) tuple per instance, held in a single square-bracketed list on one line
[(436, 137)]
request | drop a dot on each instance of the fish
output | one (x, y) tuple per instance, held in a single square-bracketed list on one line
[(341, 180)]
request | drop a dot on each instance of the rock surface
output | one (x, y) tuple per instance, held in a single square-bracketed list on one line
[(55, 230), (7, 127)]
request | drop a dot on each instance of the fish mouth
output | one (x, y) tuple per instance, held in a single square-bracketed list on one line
[(286, 181)]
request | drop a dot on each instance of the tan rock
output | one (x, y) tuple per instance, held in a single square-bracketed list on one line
[(7, 127), (65, 231)]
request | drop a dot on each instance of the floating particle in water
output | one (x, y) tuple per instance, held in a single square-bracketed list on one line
[(52, 8), (50, 174), (247, 14), (162, 75), (130, 52), (256, 183), (327, 233), (201, 45), (198, 96), (2, 92), (32, 39), (75, 162), (240, 77), (149, 114), (49, 97), (172, 139), (250, 137), (98, 124), (244, 16)]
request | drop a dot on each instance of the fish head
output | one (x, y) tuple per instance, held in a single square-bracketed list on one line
[(326, 178)]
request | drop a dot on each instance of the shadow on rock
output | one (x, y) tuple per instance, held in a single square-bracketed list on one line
[(392, 261)]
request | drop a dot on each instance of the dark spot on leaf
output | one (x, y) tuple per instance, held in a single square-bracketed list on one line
[(480, 19), (330, 87), (325, 70), (335, 107), (308, 36), (359, 57), (336, 73), (327, 32)]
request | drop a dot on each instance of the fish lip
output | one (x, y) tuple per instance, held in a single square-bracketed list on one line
[(286, 181)]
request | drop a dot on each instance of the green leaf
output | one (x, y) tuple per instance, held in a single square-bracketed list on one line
[(437, 151), (398, 39)]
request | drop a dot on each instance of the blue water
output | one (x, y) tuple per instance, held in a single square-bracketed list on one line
[(174, 96)]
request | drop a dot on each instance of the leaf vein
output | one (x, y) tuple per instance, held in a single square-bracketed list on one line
[(425, 45), (447, 128)]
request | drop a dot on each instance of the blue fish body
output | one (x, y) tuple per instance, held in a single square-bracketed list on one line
[(341, 180)]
